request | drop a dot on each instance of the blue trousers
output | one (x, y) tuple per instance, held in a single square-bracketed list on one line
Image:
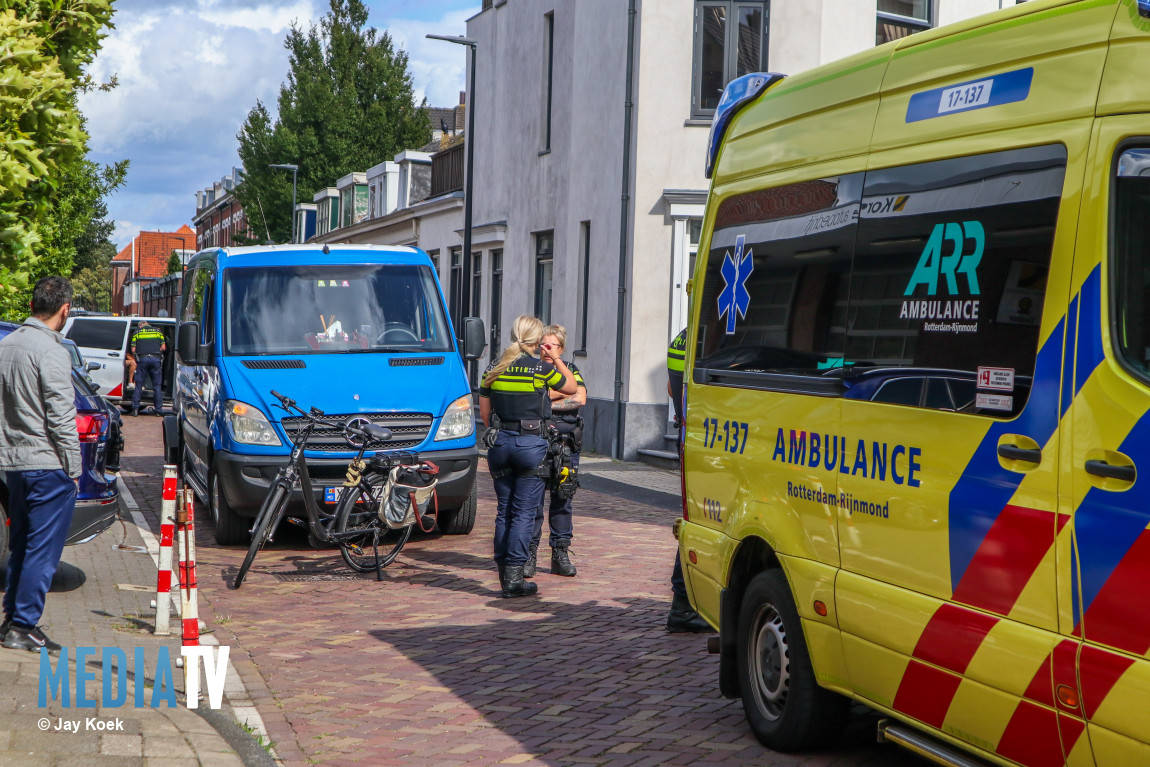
[(559, 520), (150, 369), (40, 506), (519, 491)]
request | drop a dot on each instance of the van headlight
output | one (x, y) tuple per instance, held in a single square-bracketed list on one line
[(248, 425), (458, 421)]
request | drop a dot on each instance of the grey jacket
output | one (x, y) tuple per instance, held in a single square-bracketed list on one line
[(37, 402)]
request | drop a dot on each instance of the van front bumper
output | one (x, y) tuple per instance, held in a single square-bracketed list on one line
[(245, 479)]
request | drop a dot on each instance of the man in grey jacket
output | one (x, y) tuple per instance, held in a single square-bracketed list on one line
[(40, 455)]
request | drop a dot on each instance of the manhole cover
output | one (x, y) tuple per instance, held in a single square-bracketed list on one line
[(316, 575)]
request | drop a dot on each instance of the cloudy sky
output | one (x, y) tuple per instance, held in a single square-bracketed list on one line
[(189, 71)]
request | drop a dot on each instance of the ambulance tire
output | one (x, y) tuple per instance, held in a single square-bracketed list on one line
[(784, 705)]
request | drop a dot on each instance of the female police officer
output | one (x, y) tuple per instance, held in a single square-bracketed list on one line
[(565, 409), (515, 388)]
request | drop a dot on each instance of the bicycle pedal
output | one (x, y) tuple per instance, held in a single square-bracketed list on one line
[(296, 522)]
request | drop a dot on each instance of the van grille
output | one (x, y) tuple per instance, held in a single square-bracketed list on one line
[(407, 430)]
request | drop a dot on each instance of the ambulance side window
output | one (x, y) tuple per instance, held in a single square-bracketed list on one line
[(949, 271), (1130, 280), (774, 293)]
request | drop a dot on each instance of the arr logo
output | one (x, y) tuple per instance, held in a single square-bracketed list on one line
[(933, 265)]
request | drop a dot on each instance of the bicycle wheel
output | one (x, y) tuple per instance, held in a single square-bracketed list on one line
[(269, 514), (358, 512)]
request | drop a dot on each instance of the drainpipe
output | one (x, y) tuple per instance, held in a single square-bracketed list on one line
[(624, 208)]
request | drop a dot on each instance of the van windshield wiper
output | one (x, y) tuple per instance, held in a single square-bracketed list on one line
[(391, 349)]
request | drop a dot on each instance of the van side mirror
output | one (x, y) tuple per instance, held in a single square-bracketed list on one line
[(474, 338), (188, 345), (93, 365)]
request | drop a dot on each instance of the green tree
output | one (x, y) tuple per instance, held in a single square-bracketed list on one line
[(44, 45), (92, 289), (174, 263), (348, 104)]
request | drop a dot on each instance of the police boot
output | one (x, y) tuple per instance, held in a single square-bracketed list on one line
[(684, 620), (514, 585), (560, 562), (529, 568)]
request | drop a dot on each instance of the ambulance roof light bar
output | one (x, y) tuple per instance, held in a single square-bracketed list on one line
[(738, 93)]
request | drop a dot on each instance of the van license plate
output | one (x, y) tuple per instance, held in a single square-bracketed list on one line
[(332, 494)]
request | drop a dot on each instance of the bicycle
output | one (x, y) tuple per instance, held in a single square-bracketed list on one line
[(358, 521)]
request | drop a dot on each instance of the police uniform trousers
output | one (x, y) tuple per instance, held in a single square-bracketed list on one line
[(515, 458), (40, 507), (150, 368), (559, 520)]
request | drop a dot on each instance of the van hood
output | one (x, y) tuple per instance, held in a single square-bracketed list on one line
[(350, 383)]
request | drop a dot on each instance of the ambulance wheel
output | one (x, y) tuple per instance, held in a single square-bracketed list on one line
[(785, 707), (460, 521)]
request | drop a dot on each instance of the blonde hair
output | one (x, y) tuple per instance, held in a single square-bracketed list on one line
[(558, 331), (526, 332)]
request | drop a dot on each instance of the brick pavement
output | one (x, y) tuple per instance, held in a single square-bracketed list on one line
[(430, 666), (88, 607)]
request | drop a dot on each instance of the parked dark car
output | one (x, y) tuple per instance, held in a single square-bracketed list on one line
[(98, 496)]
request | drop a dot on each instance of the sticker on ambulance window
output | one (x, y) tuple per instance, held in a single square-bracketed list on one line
[(994, 401), (1005, 88), (999, 379)]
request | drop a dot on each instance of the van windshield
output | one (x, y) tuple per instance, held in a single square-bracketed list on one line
[(333, 308)]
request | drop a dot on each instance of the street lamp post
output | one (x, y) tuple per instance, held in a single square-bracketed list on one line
[(465, 289), (294, 169), (183, 247)]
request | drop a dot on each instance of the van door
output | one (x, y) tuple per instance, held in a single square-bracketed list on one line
[(102, 340), (948, 479), (1109, 464), (194, 387)]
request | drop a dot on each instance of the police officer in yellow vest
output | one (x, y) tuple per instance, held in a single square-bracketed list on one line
[(515, 390), (682, 618), (148, 345)]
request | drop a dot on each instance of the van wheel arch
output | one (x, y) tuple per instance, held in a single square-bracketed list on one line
[(753, 556)]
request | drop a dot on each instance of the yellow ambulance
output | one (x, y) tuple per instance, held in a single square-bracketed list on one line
[(918, 392)]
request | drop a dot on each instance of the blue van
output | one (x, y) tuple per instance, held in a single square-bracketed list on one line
[(354, 330)]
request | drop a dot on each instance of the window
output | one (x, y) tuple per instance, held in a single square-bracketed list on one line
[(950, 266), (333, 309), (456, 306), (98, 334), (894, 287), (585, 287), (548, 77), (774, 294), (476, 283), (1130, 284), (544, 264), (730, 41), (899, 18), (434, 256)]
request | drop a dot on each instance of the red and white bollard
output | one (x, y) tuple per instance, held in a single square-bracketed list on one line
[(189, 610), (167, 534)]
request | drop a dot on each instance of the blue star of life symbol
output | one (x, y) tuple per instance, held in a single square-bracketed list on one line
[(736, 269)]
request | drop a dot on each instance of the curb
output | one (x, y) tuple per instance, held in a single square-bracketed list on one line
[(245, 743)]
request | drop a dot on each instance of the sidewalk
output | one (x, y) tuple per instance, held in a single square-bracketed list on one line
[(100, 599)]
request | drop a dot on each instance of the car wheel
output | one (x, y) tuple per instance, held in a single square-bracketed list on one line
[(231, 529), (784, 705), (460, 521)]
